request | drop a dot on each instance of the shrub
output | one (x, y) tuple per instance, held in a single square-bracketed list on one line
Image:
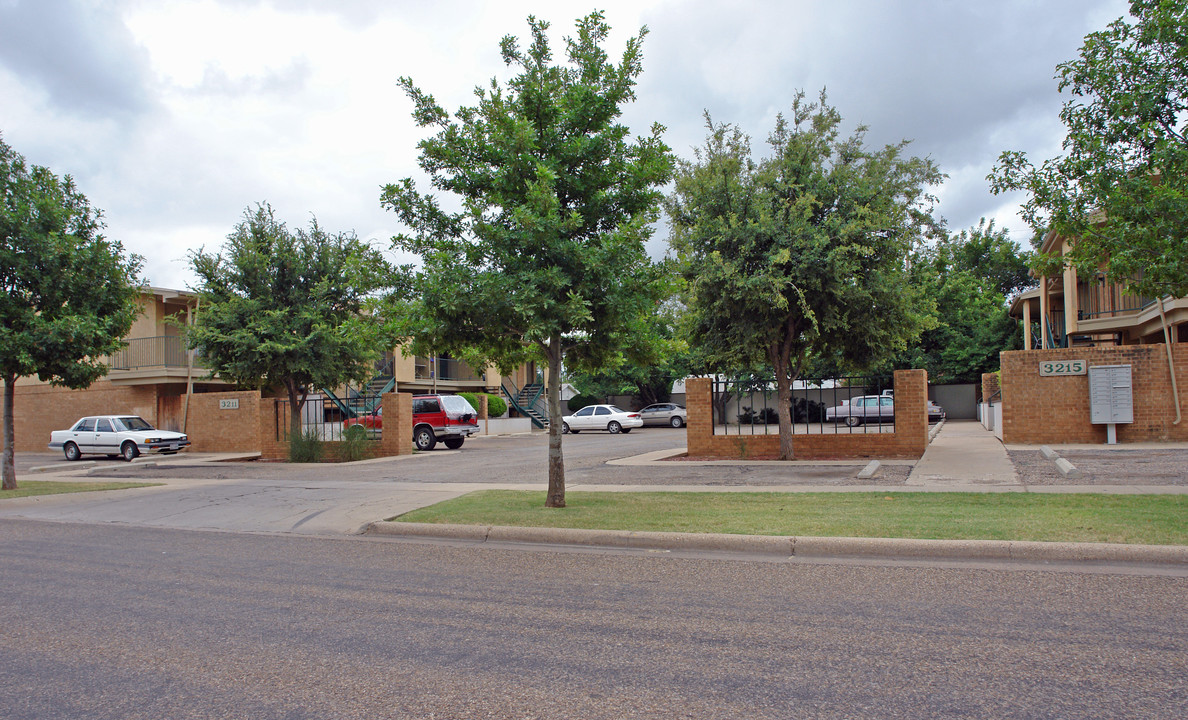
[(577, 402), (305, 447), (356, 444), (496, 406)]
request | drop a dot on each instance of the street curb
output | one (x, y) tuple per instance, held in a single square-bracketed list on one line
[(795, 546)]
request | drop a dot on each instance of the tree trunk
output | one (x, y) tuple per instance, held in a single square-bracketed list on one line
[(9, 471), (295, 405), (784, 410), (556, 496)]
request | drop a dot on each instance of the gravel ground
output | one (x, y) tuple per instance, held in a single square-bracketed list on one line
[(1105, 467)]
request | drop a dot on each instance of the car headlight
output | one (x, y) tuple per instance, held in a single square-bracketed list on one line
[(153, 440)]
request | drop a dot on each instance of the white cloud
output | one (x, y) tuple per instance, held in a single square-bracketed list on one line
[(176, 116)]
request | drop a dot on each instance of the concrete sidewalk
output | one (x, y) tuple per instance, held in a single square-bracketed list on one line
[(964, 453)]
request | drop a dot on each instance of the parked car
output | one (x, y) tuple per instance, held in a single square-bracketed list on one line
[(664, 414), (873, 408), (448, 418), (601, 417), (115, 436), (372, 421), (862, 409)]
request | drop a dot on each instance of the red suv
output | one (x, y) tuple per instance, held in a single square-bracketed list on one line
[(448, 418)]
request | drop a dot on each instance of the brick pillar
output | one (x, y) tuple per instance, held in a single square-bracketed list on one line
[(397, 437), (989, 386), (911, 409), (700, 430)]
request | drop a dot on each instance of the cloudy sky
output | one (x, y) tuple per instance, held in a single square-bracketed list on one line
[(175, 116)]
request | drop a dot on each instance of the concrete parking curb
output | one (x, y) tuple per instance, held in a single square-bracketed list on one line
[(794, 546)]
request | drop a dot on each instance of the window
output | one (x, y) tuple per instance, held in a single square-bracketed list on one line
[(85, 425), (602, 411), (134, 423), (426, 405), (584, 412), (886, 402), (103, 425)]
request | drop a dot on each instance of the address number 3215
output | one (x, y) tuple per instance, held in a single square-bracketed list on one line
[(1049, 368)]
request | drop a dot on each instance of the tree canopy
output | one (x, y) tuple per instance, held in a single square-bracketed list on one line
[(970, 275), (1120, 190), (70, 294), (803, 253), (546, 257), (282, 308)]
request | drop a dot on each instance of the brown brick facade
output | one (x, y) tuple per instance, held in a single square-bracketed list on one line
[(909, 440), (39, 409), (990, 387), (1038, 410)]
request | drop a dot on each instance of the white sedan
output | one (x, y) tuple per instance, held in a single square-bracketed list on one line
[(601, 417), (115, 435)]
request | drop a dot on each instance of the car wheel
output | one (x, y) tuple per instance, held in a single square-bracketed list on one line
[(71, 451), (677, 421), (129, 451), (424, 438), (852, 421), (454, 443), (565, 428), (614, 428)]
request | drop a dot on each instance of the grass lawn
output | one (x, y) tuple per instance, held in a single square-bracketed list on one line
[(1140, 519), (28, 488)]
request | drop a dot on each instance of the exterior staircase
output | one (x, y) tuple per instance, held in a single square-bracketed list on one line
[(525, 400)]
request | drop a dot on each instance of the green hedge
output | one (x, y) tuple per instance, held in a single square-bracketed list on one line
[(496, 406)]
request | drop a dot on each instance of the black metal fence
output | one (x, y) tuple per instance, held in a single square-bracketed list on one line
[(324, 421), (749, 406)]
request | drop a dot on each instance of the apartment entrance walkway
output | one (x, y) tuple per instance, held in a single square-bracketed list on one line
[(964, 453)]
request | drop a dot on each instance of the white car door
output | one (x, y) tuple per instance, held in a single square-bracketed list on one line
[(601, 418), (582, 419), (107, 440)]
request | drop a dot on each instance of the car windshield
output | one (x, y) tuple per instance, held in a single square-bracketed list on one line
[(457, 404), (134, 423)]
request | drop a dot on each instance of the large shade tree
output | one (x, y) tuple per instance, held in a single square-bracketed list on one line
[(545, 259), (1120, 188), (69, 294), (286, 309), (802, 253)]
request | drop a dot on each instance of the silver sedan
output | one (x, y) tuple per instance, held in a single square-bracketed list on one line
[(664, 414)]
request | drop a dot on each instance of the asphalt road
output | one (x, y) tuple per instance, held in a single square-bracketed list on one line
[(127, 622)]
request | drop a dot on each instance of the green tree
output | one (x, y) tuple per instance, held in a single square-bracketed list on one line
[(287, 309), (70, 294), (802, 253), (1121, 186), (651, 381), (546, 257), (970, 275)]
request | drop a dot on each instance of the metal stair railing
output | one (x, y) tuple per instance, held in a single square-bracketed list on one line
[(515, 396), (365, 399)]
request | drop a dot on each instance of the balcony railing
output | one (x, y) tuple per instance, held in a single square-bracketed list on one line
[(444, 369), (1101, 300), (152, 352)]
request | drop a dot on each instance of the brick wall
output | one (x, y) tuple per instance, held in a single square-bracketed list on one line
[(909, 440), (39, 409), (1038, 410), (212, 429)]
